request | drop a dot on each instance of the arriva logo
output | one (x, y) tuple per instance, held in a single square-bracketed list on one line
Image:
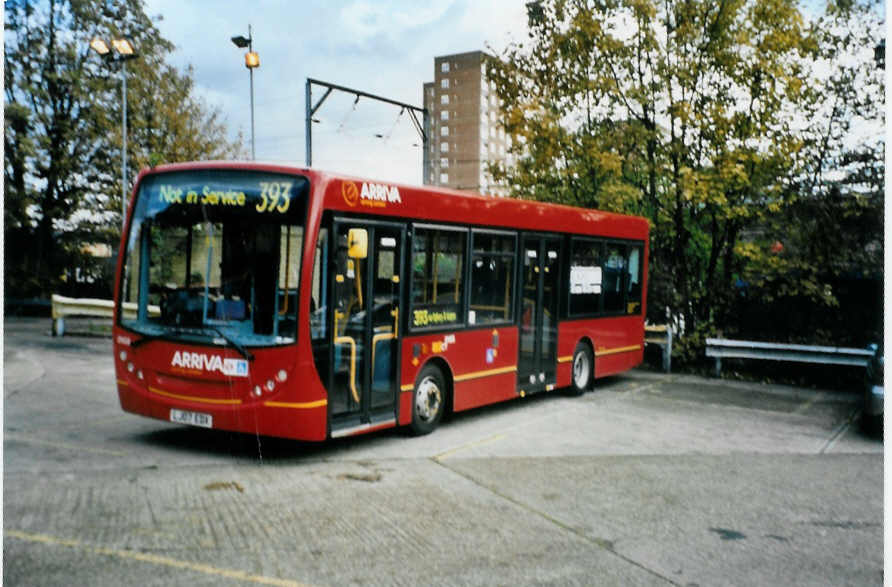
[(230, 367), (350, 193), (373, 195), (380, 193)]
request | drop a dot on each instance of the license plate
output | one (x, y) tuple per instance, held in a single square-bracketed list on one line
[(192, 418)]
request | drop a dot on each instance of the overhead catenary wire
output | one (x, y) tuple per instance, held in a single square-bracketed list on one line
[(313, 105), (349, 112), (395, 122)]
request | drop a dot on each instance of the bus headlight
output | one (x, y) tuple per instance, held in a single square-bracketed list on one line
[(282, 375), (257, 390), (270, 385), (122, 355), (131, 367)]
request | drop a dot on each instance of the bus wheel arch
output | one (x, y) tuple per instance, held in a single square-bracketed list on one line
[(446, 370), (582, 367), (431, 396)]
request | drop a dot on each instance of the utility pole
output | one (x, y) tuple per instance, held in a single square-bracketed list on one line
[(123, 50), (252, 61), (421, 127)]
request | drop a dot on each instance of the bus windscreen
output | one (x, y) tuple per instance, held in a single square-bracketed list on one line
[(215, 255)]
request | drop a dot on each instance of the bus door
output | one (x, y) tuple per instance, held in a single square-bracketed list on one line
[(366, 289), (537, 363)]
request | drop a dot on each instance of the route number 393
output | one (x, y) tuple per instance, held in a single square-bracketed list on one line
[(276, 196)]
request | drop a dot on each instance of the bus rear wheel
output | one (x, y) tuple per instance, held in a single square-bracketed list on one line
[(583, 369), (428, 400)]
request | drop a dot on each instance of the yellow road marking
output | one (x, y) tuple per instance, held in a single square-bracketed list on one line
[(66, 446), (809, 403), (152, 559), (297, 406), (201, 400), (481, 442)]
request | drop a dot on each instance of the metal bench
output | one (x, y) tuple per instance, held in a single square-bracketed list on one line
[(719, 348)]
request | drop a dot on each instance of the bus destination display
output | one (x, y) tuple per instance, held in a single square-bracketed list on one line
[(260, 193)]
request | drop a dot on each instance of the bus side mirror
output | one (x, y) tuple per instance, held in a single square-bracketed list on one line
[(357, 243)]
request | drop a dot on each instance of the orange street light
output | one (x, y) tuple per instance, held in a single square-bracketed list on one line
[(252, 60)]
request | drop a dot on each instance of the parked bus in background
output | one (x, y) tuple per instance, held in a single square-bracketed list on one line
[(294, 303)]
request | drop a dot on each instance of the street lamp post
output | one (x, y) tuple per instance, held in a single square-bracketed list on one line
[(252, 60), (123, 50)]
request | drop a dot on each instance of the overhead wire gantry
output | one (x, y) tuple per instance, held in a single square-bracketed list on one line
[(423, 127)]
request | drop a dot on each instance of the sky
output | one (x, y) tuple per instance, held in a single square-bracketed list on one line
[(382, 47)]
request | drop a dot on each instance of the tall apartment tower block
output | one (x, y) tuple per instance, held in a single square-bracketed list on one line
[(465, 131)]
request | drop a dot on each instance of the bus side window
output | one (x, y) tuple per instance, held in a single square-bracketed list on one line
[(438, 257), (318, 293), (587, 275), (614, 271), (492, 271), (633, 279)]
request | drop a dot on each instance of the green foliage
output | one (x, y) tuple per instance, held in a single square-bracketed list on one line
[(170, 123), (709, 118), (62, 122)]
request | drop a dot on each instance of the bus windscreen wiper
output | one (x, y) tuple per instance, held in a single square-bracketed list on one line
[(145, 338), (195, 331), (168, 330), (232, 342)]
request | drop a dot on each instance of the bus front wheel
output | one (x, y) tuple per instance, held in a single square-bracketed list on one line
[(428, 401), (583, 368)]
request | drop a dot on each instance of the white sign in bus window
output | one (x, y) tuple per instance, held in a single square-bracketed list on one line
[(585, 280)]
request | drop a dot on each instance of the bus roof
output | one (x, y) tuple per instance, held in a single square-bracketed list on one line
[(433, 204)]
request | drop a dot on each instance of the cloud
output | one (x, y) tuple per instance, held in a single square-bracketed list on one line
[(496, 21), (363, 20), (384, 47)]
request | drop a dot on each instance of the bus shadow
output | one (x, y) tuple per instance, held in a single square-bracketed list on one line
[(254, 448), (611, 383), (258, 449)]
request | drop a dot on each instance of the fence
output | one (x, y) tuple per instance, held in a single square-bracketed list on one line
[(661, 336), (718, 348), (63, 307)]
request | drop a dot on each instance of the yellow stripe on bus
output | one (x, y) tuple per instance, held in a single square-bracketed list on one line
[(622, 349), (201, 400), (603, 352), (487, 373), (471, 375), (297, 406), (502, 370)]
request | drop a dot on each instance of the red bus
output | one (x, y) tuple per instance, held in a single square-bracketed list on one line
[(294, 303)]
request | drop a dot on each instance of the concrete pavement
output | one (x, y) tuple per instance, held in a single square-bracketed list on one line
[(649, 480)]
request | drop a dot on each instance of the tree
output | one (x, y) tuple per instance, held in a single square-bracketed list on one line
[(802, 267), (172, 124), (689, 112), (62, 125)]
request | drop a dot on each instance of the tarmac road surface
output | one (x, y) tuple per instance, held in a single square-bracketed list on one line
[(648, 480)]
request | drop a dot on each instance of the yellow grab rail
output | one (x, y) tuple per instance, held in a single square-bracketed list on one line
[(386, 335), (349, 341)]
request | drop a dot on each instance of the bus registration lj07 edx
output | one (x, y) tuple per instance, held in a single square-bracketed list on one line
[(191, 418), (295, 303)]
